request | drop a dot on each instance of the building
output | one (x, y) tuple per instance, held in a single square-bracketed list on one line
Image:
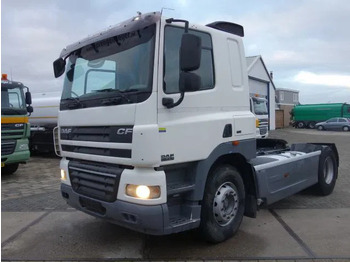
[(286, 100), (261, 84)]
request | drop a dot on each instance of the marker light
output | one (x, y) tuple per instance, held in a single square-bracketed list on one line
[(142, 191), (257, 122), (63, 175), (3, 76)]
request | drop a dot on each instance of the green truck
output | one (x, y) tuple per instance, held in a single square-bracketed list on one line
[(15, 129), (308, 115)]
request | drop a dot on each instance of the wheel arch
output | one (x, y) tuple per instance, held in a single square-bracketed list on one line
[(238, 157)]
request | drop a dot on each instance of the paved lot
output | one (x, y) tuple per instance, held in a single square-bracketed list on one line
[(38, 225)]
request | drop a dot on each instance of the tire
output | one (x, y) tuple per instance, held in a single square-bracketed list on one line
[(300, 124), (346, 128), (9, 169), (320, 128), (223, 204), (311, 125), (327, 172)]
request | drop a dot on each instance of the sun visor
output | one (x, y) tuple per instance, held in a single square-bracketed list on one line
[(130, 25)]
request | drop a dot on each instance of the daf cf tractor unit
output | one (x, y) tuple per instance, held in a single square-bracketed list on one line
[(156, 133), (15, 129)]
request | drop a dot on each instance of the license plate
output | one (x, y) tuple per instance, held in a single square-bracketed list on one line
[(2, 164)]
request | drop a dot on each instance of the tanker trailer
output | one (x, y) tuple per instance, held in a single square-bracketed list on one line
[(43, 120)]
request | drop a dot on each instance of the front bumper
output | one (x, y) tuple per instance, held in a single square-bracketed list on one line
[(145, 219), (19, 155)]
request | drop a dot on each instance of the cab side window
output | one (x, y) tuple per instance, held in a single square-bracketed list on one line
[(172, 44)]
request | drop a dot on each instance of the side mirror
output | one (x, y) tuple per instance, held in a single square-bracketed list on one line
[(189, 82), (30, 109), (28, 98), (190, 52), (58, 67)]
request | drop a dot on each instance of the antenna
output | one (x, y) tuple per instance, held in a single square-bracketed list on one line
[(166, 8)]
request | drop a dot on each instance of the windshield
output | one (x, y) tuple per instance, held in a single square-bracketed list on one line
[(260, 107), (12, 101), (118, 67)]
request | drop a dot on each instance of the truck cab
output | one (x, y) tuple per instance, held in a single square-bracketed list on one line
[(15, 129), (156, 133), (259, 107)]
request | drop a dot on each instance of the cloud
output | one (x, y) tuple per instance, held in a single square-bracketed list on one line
[(297, 36), (323, 79)]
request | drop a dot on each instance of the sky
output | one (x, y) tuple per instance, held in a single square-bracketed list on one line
[(306, 43)]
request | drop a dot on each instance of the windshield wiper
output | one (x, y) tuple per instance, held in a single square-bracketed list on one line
[(113, 100), (74, 104)]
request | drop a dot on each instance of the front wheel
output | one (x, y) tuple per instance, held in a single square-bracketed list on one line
[(9, 169), (320, 128), (327, 172), (223, 204)]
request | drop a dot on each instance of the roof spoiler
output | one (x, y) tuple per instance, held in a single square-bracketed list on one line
[(228, 27)]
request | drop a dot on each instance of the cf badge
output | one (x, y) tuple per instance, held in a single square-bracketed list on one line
[(124, 131)]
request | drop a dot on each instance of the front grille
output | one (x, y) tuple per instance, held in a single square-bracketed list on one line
[(7, 127), (8, 147), (13, 134), (111, 134), (95, 180), (123, 153)]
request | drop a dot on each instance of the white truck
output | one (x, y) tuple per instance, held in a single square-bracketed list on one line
[(156, 133), (43, 120), (258, 106)]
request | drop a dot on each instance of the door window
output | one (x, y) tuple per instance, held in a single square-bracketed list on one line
[(172, 44)]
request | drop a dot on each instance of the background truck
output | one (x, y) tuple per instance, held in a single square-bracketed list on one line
[(156, 133), (310, 114), (43, 121), (258, 106), (15, 129)]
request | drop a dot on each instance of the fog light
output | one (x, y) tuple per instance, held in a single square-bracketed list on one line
[(142, 191), (63, 175)]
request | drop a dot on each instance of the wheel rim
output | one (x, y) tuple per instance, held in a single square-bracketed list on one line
[(300, 124), (225, 204), (328, 170), (345, 128), (320, 127)]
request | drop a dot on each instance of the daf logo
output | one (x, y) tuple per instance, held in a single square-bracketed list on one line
[(66, 130), (124, 131)]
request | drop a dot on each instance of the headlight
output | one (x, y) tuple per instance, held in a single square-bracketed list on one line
[(63, 175), (142, 191), (23, 147)]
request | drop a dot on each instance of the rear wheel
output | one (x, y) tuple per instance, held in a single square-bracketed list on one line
[(346, 128), (301, 124), (9, 169), (327, 172), (223, 204), (311, 125)]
